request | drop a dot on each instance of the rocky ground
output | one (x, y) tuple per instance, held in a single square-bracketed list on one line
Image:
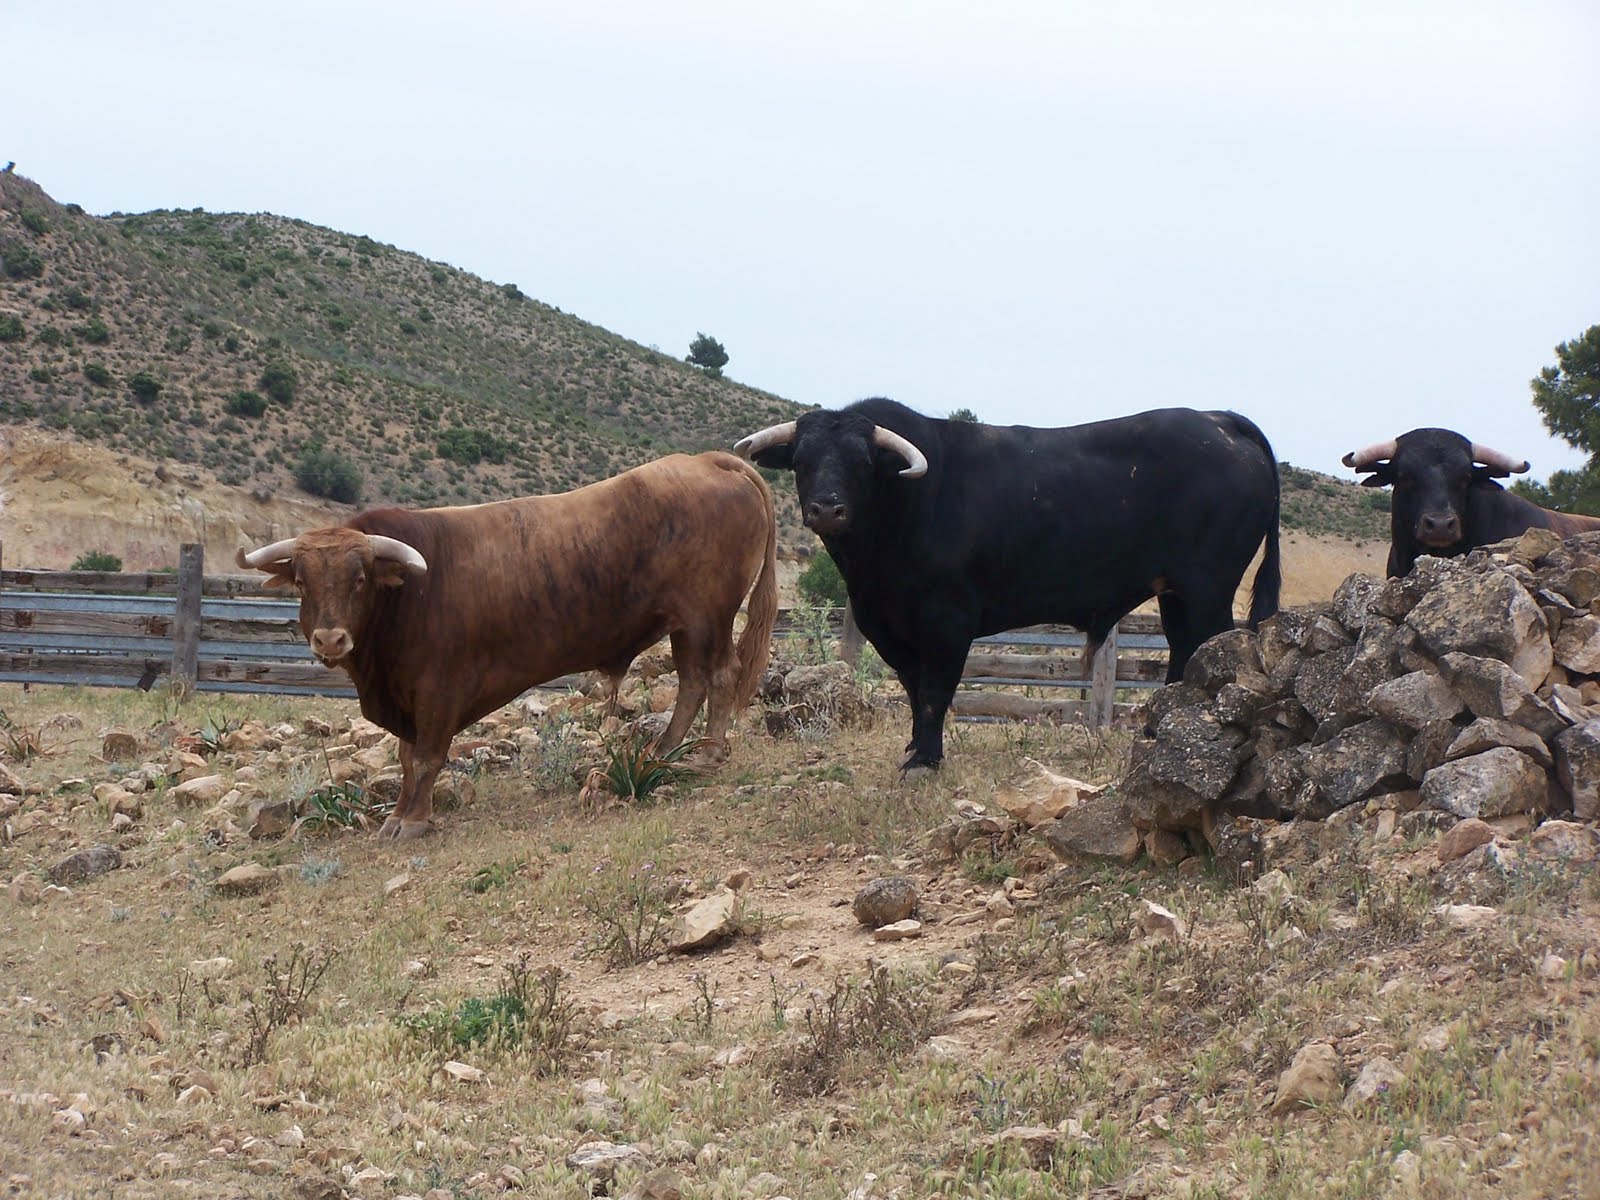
[(796, 976)]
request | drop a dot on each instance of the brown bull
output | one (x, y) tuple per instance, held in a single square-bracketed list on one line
[(442, 615)]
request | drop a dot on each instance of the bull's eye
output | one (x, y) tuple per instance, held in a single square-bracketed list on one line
[(361, 579)]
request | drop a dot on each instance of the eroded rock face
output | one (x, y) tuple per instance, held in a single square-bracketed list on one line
[(1486, 614), (1577, 755), (1360, 762)]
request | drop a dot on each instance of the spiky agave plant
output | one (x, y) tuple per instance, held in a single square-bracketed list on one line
[(634, 769)]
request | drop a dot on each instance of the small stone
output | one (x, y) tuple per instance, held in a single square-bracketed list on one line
[(884, 901), (1312, 1078), (1463, 838), (897, 931), (85, 864), (119, 747), (1161, 922), (26, 888), (707, 922), (1467, 916), (460, 1072), (193, 1094), (602, 1159), (211, 968), (1377, 1077), (1552, 967), (246, 880), (1165, 847), (398, 883), (270, 818), (199, 792)]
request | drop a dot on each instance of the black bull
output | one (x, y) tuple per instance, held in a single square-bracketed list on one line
[(945, 531), (1446, 500)]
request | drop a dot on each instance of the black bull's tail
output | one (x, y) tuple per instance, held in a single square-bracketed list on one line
[(1269, 576)]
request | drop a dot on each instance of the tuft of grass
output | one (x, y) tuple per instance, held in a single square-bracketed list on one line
[(857, 1025), (495, 875), (634, 770), (632, 914), (527, 1013)]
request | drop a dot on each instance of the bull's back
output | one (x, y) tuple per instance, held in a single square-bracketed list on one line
[(551, 584)]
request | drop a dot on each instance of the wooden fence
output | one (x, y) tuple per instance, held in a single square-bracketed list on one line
[(228, 633)]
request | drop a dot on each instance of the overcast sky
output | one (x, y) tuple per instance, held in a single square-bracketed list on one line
[(1343, 220)]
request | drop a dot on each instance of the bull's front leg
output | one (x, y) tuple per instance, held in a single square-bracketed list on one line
[(391, 824), (938, 679)]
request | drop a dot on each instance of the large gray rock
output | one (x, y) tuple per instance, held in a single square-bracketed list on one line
[(1577, 754), (1496, 783), (1352, 601), (1191, 761), (1577, 646), (1492, 688), (1099, 828), (1377, 657), (1397, 597), (1414, 699), (1486, 733), (1362, 761), (1429, 747), (1486, 614), (1220, 660), (1316, 684)]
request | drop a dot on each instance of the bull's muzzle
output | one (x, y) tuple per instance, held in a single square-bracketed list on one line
[(330, 645), (826, 516), (1439, 529)]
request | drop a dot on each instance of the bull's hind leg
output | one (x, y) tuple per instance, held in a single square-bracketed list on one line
[(692, 658), (724, 683)]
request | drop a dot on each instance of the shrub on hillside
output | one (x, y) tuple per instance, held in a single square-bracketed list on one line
[(97, 373), (94, 332), (145, 387), (821, 582), (21, 261), (35, 220), (50, 335), (11, 328), (279, 382), (245, 404), (324, 472), (97, 560), (470, 446)]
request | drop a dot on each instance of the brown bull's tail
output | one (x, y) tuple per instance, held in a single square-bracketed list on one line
[(761, 610)]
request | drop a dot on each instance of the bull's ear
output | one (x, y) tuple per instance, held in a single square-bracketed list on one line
[(775, 458), (1482, 474), (1382, 475), (279, 576), (388, 573)]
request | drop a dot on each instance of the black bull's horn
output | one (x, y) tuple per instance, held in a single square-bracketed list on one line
[(779, 435)]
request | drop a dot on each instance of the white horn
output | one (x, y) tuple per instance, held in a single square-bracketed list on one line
[(1360, 460), (890, 440), (1497, 461), (259, 559), (773, 435), (394, 548)]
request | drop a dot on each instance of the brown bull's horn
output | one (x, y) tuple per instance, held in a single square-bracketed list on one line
[(394, 548), (1497, 461), (1360, 460), (263, 558), (773, 435), (890, 440)]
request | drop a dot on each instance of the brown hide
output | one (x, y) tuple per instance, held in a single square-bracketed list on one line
[(521, 591)]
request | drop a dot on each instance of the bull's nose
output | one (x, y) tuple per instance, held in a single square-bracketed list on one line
[(330, 645), (825, 516), (1439, 528)]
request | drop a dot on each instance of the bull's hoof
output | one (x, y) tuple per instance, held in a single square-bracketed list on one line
[(390, 829), (411, 830), (918, 765)]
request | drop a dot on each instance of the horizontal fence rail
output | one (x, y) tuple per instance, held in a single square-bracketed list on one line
[(228, 633)]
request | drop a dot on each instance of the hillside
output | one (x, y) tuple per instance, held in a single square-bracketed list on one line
[(240, 343), (145, 350)]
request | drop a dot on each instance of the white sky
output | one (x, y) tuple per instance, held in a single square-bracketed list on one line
[(1342, 220)]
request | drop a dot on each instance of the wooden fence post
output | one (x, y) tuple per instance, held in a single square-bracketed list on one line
[(186, 622), (1103, 683), (850, 639)]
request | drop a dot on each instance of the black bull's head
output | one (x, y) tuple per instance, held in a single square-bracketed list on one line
[(1430, 471), (834, 456)]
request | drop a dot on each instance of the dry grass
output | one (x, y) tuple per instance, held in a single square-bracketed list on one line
[(1153, 1063)]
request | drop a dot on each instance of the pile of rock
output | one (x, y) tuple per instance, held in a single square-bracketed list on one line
[(1470, 687), (813, 698)]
